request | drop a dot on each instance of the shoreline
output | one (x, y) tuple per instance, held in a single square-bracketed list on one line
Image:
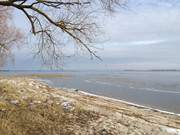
[(32, 103), (49, 82), (130, 103)]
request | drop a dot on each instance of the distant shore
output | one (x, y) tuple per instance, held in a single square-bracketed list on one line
[(28, 106), (64, 71)]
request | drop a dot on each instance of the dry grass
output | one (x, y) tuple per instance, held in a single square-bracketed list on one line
[(24, 118), (31, 108), (46, 75)]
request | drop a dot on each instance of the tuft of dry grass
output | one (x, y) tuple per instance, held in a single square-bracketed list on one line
[(24, 118), (42, 119)]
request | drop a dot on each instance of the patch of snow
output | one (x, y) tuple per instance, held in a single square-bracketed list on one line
[(67, 106), (14, 102), (171, 130)]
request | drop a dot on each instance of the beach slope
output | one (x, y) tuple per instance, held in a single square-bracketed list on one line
[(28, 107)]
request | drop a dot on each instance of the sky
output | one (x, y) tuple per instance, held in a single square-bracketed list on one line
[(144, 35)]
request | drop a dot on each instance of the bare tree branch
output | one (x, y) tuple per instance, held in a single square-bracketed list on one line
[(73, 18)]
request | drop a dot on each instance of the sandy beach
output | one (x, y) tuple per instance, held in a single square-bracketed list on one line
[(29, 107)]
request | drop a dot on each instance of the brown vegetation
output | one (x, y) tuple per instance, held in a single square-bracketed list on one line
[(31, 108)]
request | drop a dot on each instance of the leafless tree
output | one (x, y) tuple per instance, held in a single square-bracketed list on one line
[(53, 22), (9, 35)]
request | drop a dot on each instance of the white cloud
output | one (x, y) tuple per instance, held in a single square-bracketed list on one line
[(146, 36), (146, 42), (157, 24)]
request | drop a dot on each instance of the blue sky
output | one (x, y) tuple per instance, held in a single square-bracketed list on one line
[(143, 36)]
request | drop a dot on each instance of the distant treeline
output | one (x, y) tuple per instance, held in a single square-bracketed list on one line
[(155, 70)]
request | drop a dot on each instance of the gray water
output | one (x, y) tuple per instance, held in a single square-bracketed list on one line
[(160, 90)]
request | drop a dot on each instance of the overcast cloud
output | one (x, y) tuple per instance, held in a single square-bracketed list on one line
[(143, 36)]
